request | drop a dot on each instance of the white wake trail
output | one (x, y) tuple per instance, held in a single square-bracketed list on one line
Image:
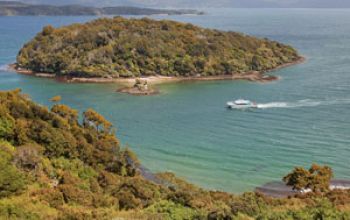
[(4, 67), (274, 105), (302, 103)]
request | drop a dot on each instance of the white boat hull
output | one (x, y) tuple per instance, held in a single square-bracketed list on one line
[(232, 105)]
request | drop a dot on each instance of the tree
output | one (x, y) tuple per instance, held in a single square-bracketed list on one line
[(321, 177), (92, 118), (299, 179), (65, 112), (317, 178)]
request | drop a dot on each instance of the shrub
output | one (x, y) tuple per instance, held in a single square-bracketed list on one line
[(28, 156), (127, 200), (171, 211), (52, 196), (249, 203), (12, 181), (11, 211), (7, 123), (74, 195)]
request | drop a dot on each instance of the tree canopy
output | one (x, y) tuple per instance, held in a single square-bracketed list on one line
[(120, 47), (317, 178)]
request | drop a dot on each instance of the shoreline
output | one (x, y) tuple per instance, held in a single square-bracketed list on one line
[(254, 76), (278, 189)]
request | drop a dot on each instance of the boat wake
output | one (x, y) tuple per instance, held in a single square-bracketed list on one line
[(302, 103), (4, 67)]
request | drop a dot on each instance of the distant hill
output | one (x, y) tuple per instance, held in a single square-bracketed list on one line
[(13, 8), (11, 4), (205, 3), (233, 3)]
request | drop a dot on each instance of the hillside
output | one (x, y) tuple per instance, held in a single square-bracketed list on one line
[(11, 4), (54, 167), (122, 47), (8, 8)]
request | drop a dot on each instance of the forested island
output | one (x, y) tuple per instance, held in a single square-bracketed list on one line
[(14, 8), (54, 166), (117, 47)]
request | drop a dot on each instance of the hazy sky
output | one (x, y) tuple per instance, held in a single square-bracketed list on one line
[(206, 3)]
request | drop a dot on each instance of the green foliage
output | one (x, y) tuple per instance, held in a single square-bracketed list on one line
[(53, 197), (74, 195), (299, 178), (12, 181), (324, 210), (65, 112), (321, 177), (75, 167), (92, 118), (249, 203), (10, 211), (171, 211), (122, 47), (6, 123)]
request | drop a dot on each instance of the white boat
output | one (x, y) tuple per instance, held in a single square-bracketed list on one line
[(241, 104)]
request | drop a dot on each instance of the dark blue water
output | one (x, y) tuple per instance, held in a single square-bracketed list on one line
[(304, 117)]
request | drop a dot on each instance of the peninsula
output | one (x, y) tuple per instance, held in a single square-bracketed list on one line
[(107, 49)]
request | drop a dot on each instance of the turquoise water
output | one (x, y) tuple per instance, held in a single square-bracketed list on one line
[(187, 129)]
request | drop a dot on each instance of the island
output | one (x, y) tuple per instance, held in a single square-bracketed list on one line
[(55, 164), (15, 8), (121, 49)]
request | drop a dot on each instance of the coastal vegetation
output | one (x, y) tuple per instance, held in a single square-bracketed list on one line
[(120, 47), (57, 165)]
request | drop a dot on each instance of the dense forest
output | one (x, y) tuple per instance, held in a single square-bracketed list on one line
[(13, 8), (122, 47), (56, 166)]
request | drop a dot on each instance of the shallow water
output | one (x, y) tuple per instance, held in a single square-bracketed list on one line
[(302, 118)]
